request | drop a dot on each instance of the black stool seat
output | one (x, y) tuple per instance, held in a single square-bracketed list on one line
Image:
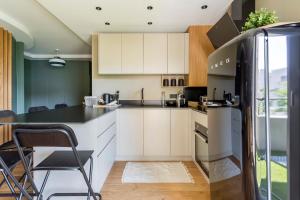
[(11, 158), (64, 160)]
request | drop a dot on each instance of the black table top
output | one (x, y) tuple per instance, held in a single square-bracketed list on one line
[(74, 114)]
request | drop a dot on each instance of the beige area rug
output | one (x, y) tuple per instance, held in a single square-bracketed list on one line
[(156, 172)]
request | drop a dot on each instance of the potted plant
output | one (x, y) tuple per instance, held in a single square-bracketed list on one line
[(260, 18)]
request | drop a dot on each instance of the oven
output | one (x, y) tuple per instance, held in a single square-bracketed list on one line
[(201, 147)]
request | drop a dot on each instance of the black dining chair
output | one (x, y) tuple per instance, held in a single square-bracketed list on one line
[(38, 109), (58, 106), (54, 135), (9, 159)]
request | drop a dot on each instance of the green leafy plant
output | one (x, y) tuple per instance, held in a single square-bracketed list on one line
[(260, 18)]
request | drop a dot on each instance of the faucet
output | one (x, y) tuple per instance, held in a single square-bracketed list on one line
[(142, 96), (178, 98)]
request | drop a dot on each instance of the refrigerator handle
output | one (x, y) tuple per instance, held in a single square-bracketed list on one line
[(292, 98)]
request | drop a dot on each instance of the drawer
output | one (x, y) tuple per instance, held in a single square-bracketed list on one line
[(104, 163), (105, 137), (104, 122)]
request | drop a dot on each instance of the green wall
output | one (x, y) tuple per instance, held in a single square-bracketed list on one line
[(47, 86), (17, 76)]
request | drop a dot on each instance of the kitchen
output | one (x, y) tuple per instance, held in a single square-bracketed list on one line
[(152, 111)]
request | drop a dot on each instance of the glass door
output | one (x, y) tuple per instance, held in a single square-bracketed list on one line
[(271, 117), (260, 135)]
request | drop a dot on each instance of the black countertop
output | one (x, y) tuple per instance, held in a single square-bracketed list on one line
[(74, 114)]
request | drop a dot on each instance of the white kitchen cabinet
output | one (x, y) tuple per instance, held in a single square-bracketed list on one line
[(176, 53), (109, 53), (155, 53), (130, 133), (132, 53), (156, 132), (180, 135), (186, 53)]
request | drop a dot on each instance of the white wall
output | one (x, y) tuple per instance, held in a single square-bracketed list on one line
[(130, 86), (287, 10)]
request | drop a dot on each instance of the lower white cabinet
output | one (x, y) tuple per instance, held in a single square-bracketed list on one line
[(130, 132), (180, 134), (156, 132)]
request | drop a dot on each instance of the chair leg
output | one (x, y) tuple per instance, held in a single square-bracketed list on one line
[(90, 176), (6, 170), (8, 184), (90, 189), (25, 177), (40, 196)]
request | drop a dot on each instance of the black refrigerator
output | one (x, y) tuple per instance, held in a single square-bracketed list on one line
[(261, 67)]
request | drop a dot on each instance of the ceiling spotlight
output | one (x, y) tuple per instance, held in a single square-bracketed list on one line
[(98, 8), (204, 7), (107, 23), (149, 7), (149, 23)]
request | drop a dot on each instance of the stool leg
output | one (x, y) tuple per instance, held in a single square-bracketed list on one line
[(88, 183), (43, 185), (90, 176), (5, 168), (8, 184), (25, 177)]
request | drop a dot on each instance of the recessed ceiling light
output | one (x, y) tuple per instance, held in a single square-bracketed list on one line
[(149, 23), (204, 7), (107, 23), (98, 8), (149, 7)]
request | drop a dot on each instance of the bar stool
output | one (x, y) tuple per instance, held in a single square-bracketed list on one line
[(54, 135), (38, 109), (9, 158)]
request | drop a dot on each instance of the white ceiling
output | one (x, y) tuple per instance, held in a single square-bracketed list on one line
[(132, 15), (45, 25), (42, 32)]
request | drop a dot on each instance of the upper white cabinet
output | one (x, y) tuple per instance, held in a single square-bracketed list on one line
[(110, 53), (180, 135), (176, 53), (156, 132), (143, 53), (132, 53), (130, 133), (155, 53)]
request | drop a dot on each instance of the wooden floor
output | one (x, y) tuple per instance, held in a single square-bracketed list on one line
[(113, 189)]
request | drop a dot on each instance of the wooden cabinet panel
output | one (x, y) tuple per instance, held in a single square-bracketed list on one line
[(157, 132), (130, 132), (109, 53), (132, 53), (155, 53), (186, 53), (180, 135), (199, 49), (176, 53)]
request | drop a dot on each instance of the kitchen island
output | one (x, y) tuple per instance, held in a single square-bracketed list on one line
[(95, 130)]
